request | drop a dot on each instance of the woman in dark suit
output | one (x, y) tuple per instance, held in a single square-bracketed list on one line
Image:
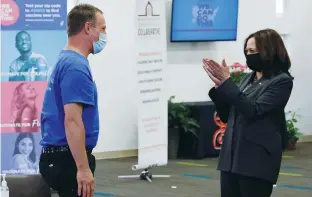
[(251, 153)]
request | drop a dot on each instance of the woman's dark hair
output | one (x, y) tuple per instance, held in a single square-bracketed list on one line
[(19, 138), (272, 50)]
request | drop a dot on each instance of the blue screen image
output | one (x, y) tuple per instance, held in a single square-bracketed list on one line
[(204, 20)]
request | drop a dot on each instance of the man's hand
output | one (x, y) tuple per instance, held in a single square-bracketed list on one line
[(85, 182)]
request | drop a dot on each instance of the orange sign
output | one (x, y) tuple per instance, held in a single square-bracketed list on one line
[(217, 137)]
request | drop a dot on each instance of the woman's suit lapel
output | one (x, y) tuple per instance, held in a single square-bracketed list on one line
[(247, 89), (247, 81)]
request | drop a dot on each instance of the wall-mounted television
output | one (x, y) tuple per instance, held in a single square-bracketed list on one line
[(204, 20)]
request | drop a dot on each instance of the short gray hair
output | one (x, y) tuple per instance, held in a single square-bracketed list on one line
[(79, 15)]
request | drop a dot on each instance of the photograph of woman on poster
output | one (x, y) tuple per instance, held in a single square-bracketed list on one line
[(24, 159), (23, 107)]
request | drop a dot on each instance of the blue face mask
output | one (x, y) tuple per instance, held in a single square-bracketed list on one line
[(99, 45)]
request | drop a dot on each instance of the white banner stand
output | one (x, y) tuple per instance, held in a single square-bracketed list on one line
[(151, 60)]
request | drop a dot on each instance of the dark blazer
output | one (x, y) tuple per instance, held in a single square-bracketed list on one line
[(252, 143)]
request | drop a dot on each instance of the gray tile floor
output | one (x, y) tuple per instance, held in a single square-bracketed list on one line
[(200, 179)]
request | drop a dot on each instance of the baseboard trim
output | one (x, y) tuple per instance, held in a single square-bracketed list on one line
[(116, 154), (305, 138)]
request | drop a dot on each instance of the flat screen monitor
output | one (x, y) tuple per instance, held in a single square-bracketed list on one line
[(204, 20)]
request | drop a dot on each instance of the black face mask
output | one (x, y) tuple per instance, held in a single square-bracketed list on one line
[(255, 62)]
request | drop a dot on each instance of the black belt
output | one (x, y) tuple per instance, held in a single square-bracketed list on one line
[(59, 149)]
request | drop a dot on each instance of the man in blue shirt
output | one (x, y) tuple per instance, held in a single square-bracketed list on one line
[(69, 118)]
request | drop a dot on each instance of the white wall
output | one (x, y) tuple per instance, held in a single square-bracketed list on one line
[(113, 69), (300, 29), (71, 4)]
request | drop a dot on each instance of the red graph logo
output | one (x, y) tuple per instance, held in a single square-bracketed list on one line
[(217, 137)]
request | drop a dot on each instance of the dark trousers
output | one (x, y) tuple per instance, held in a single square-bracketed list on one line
[(233, 185), (59, 171)]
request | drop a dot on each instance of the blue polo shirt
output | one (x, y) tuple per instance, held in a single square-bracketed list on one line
[(70, 82)]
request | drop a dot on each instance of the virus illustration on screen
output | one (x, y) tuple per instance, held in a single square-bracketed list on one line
[(204, 15)]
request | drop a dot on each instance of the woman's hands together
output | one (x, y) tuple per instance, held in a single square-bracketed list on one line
[(217, 73)]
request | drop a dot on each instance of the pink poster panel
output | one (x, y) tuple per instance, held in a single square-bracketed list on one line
[(21, 105)]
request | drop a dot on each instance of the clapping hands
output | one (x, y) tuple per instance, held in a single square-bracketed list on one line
[(217, 73)]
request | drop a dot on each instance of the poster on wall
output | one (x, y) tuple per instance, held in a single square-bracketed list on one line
[(33, 33), (151, 58)]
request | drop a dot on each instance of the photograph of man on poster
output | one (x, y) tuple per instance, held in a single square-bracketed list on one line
[(29, 66)]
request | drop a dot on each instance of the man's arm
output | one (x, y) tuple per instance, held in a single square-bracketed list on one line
[(77, 91), (75, 134)]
